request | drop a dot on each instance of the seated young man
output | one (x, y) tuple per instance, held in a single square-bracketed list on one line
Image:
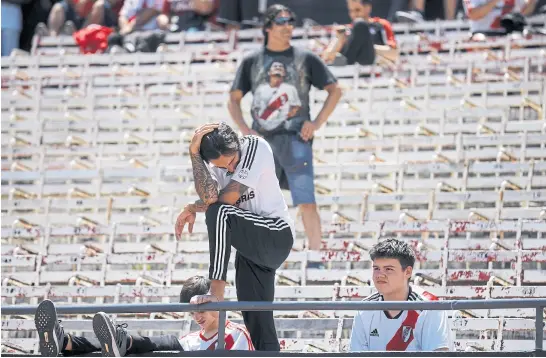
[(364, 39), (114, 340), (412, 330)]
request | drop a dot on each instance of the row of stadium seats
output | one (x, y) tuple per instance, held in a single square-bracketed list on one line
[(445, 149)]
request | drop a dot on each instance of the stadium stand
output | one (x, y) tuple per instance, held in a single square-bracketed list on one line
[(446, 149)]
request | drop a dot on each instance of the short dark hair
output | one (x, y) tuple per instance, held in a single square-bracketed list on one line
[(196, 285), (270, 14), (221, 141), (394, 249)]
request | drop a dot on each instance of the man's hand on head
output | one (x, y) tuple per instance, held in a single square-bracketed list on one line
[(195, 143)]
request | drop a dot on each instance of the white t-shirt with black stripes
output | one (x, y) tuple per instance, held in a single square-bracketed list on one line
[(256, 170), (409, 331)]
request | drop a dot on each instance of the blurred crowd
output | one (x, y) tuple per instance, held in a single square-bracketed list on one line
[(21, 19)]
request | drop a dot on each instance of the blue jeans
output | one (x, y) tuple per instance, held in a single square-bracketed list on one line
[(294, 166)]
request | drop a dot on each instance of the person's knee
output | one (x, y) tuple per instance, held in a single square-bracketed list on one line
[(98, 7), (360, 26), (56, 14), (96, 16), (162, 22)]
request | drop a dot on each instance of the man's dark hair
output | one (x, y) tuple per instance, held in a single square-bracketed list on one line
[(221, 141), (270, 14), (196, 285), (394, 249)]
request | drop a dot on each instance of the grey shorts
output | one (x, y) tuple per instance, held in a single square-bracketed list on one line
[(294, 166)]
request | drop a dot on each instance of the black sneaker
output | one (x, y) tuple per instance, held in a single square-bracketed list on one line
[(50, 332), (112, 338)]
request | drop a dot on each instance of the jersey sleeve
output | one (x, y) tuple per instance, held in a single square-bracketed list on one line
[(254, 162), (242, 341), (359, 335), (435, 333)]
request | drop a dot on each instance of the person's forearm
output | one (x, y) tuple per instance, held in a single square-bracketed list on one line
[(336, 44), (480, 12), (329, 105), (198, 207), (218, 288), (144, 17), (205, 186), (529, 7), (236, 113)]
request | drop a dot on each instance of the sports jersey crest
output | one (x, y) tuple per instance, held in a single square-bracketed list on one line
[(406, 333)]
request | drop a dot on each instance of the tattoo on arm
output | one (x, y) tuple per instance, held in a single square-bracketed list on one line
[(206, 187), (231, 193), (198, 207)]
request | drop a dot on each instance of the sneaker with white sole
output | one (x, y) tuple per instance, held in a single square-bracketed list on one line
[(112, 337), (50, 332)]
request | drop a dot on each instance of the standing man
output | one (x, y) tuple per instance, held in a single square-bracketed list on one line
[(392, 263), (281, 113), (244, 208)]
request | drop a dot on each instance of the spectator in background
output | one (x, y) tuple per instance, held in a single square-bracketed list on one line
[(236, 14), (77, 14), (361, 41), (141, 15), (411, 330), (188, 15), (280, 76), (426, 9), (485, 15), (12, 24)]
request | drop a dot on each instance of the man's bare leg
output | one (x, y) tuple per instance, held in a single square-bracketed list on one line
[(312, 225), (56, 19)]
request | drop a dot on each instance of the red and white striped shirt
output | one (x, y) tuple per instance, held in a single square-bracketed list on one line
[(237, 338)]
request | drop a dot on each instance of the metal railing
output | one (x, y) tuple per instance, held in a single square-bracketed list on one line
[(223, 307)]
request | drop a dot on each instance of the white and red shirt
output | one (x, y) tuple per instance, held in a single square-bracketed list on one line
[(131, 8), (237, 338), (408, 331), (491, 21)]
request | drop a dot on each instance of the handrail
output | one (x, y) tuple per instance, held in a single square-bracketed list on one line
[(537, 303)]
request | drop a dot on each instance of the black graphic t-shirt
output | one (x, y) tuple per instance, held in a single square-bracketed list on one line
[(280, 84)]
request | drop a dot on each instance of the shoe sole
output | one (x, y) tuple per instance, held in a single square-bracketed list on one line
[(104, 330), (45, 320)]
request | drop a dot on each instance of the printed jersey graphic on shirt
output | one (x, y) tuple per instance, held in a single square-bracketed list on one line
[(409, 331), (275, 101), (236, 338)]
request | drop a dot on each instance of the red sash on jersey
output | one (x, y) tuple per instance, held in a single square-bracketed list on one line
[(228, 341), (273, 106), (403, 337)]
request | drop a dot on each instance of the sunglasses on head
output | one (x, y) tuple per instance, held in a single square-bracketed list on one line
[(284, 21)]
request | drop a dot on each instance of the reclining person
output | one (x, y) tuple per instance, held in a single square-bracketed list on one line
[(114, 340)]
